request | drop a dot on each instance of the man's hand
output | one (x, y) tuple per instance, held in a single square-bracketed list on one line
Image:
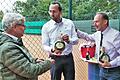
[(105, 64), (51, 60), (38, 60), (42, 60), (56, 52), (65, 38)]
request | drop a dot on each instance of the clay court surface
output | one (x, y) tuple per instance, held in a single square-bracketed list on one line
[(33, 43)]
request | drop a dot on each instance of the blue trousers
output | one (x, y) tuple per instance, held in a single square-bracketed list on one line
[(110, 73), (93, 71), (65, 65)]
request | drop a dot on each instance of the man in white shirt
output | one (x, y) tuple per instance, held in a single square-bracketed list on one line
[(59, 29), (111, 43)]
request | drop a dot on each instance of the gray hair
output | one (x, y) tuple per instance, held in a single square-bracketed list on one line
[(11, 19)]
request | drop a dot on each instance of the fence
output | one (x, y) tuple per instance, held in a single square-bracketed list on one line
[(32, 40), (33, 43)]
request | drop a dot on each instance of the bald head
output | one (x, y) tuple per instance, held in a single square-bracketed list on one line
[(101, 21)]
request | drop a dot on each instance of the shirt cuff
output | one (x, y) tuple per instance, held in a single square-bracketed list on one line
[(73, 42), (113, 62)]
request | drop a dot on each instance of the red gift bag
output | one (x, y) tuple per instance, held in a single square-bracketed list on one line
[(88, 48)]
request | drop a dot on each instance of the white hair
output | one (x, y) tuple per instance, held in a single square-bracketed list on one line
[(10, 19)]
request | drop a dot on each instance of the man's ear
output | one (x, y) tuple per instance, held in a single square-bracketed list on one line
[(106, 22)]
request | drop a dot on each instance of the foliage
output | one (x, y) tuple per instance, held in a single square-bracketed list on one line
[(33, 9), (81, 9), (87, 9)]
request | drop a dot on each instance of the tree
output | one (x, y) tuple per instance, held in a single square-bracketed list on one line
[(36, 10), (88, 8), (33, 9)]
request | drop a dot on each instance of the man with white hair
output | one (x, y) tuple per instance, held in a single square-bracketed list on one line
[(16, 63)]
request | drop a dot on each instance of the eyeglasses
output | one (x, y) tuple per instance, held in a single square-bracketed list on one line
[(20, 25)]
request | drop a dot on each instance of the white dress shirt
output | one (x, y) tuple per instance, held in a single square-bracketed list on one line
[(51, 32), (111, 42)]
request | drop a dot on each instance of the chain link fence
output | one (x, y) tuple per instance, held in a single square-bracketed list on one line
[(33, 43)]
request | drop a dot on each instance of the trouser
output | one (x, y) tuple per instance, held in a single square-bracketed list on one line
[(93, 71), (63, 64), (110, 73)]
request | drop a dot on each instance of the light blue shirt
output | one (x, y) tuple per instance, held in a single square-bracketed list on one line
[(111, 42), (51, 32)]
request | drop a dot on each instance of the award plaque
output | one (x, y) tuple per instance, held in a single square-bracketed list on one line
[(103, 57), (59, 45)]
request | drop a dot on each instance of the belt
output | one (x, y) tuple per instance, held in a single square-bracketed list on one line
[(62, 56), (70, 54), (112, 69)]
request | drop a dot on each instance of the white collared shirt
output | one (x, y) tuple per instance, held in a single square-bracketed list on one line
[(111, 42), (52, 31)]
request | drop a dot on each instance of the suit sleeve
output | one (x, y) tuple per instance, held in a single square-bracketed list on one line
[(15, 61)]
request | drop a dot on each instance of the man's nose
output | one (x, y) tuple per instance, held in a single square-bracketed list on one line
[(94, 24)]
